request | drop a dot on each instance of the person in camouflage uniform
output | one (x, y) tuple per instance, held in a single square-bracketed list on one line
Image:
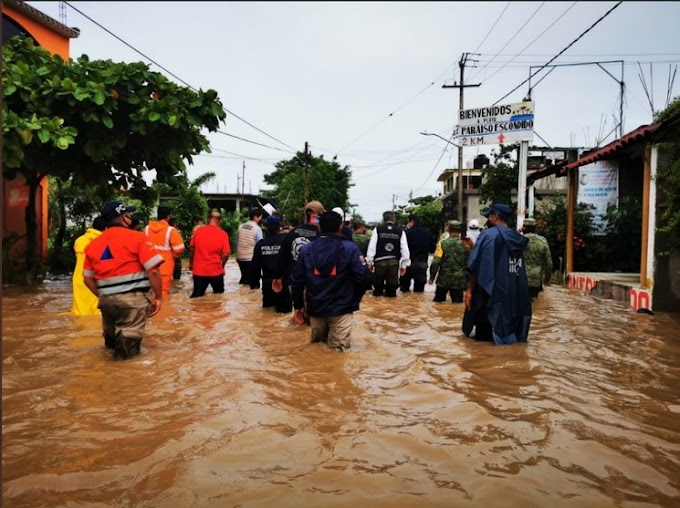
[(537, 258), (449, 267), (360, 237)]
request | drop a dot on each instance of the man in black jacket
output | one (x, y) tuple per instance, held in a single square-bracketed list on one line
[(330, 277), (421, 244), (264, 265)]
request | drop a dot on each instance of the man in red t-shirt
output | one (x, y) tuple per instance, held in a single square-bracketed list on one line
[(209, 251)]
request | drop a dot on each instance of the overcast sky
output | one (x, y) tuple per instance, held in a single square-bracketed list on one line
[(362, 79)]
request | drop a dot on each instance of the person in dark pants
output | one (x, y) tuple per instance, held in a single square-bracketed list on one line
[(421, 244), (177, 270), (387, 256), (294, 241), (209, 252), (249, 233), (265, 263), (449, 267), (497, 282)]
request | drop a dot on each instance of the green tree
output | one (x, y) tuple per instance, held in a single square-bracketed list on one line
[(500, 179), (624, 232), (98, 123), (428, 209), (668, 179), (71, 211), (188, 201), (329, 183), (551, 222)]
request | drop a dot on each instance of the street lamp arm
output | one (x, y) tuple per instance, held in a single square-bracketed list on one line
[(440, 137)]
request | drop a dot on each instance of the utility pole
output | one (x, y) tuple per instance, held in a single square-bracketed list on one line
[(305, 172), (243, 179), (461, 104)]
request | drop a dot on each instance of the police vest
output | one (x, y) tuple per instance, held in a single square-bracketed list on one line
[(304, 235), (389, 242)]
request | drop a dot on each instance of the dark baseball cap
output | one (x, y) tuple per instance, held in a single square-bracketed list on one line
[(114, 209), (273, 221), (498, 208)]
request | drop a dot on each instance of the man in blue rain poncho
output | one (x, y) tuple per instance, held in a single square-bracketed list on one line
[(497, 298)]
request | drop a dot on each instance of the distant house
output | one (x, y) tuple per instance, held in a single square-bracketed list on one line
[(228, 202), (538, 188), (23, 20)]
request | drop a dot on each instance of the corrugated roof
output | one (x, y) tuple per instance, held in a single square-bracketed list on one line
[(545, 171), (43, 19)]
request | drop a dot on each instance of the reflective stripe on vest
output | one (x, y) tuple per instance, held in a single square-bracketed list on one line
[(167, 238), (123, 283)]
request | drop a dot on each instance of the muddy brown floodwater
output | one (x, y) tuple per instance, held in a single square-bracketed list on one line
[(229, 405)]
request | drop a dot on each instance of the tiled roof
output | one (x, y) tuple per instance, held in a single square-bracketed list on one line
[(642, 133), (43, 19)]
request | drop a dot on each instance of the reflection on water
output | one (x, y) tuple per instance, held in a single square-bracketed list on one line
[(229, 405)]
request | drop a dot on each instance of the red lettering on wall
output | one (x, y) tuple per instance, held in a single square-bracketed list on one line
[(640, 299)]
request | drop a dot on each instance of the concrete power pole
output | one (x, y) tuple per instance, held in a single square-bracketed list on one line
[(305, 172), (461, 105)]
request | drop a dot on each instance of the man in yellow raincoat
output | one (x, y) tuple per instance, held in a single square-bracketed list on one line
[(84, 302)]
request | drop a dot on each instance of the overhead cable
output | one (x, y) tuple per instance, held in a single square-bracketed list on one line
[(173, 75), (558, 54), (251, 141), (491, 29), (532, 42), (519, 30), (438, 161)]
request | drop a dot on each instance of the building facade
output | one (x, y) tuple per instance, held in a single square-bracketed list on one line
[(22, 20)]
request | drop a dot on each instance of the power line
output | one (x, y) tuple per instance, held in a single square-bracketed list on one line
[(558, 54), (384, 159), (432, 83), (533, 41), (251, 141), (524, 63), (437, 163), (173, 74), (492, 27), (406, 103), (402, 161), (582, 55), (244, 156), (519, 30)]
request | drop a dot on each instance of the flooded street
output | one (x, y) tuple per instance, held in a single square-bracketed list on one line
[(229, 405)]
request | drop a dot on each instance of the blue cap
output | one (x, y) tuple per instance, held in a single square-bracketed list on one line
[(273, 221), (498, 208), (114, 209)]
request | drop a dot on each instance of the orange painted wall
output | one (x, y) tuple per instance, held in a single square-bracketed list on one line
[(14, 217), (51, 41)]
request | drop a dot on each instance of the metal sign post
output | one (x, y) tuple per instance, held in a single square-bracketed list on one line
[(501, 124), (522, 183)]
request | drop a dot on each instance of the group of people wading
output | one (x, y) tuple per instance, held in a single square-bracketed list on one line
[(320, 270)]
